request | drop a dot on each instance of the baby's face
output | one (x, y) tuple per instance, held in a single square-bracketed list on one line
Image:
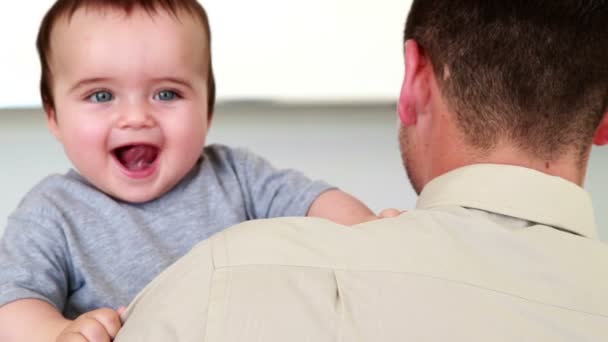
[(130, 98)]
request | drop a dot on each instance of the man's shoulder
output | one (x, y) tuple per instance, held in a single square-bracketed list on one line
[(452, 245), (385, 244), (434, 235)]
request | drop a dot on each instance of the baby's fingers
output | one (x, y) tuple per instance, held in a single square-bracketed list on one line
[(92, 331), (109, 320), (100, 325), (71, 337), (388, 213)]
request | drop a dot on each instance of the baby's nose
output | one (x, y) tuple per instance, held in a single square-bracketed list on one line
[(135, 117)]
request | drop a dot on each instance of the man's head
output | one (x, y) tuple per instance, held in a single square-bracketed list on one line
[(528, 76), (128, 90)]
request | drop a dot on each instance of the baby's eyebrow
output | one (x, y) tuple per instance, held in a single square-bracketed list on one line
[(94, 80), (88, 81), (177, 80)]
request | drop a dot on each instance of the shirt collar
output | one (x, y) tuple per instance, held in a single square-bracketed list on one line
[(517, 192)]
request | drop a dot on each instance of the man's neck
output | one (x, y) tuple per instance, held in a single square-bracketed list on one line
[(449, 154), (569, 168), (448, 149)]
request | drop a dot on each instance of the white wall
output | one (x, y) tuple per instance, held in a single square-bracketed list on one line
[(265, 49)]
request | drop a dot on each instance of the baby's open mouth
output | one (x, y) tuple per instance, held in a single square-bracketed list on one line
[(136, 157)]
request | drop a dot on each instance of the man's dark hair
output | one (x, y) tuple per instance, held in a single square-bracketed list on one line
[(67, 8), (533, 72)]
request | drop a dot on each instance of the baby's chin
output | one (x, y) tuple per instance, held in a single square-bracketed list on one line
[(136, 197), (137, 193)]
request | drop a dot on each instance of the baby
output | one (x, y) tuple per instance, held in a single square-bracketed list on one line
[(128, 90)]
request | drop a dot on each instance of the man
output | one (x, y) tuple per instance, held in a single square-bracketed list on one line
[(501, 103)]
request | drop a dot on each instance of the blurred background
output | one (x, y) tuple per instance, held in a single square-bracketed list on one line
[(309, 84)]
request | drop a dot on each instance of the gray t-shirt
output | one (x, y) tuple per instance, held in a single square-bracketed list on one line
[(79, 249)]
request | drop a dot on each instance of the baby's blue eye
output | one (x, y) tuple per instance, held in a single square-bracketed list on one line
[(101, 96), (165, 95)]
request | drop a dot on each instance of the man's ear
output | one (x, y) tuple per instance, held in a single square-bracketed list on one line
[(51, 121), (601, 134), (411, 90)]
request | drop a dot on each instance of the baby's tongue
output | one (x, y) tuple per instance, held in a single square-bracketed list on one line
[(137, 157)]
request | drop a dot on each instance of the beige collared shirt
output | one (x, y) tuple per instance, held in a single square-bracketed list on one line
[(491, 253)]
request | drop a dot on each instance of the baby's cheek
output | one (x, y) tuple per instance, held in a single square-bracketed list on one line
[(85, 142)]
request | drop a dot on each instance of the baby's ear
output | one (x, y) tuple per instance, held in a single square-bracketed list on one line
[(601, 134), (209, 119), (51, 121)]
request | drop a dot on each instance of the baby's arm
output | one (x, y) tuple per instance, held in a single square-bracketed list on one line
[(340, 207), (34, 320), (271, 192), (30, 320)]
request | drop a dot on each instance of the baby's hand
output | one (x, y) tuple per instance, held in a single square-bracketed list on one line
[(386, 213), (99, 325), (391, 212)]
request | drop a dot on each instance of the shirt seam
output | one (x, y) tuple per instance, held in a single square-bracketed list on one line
[(422, 275)]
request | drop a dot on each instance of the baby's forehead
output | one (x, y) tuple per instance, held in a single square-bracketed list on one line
[(76, 18), (89, 25), (179, 16), (139, 45)]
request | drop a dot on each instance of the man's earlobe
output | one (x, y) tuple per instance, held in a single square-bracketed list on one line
[(407, 102), (601, 134), (405, 109)]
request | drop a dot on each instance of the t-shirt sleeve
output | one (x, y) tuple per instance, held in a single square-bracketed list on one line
[(272, 192), (32, 262)]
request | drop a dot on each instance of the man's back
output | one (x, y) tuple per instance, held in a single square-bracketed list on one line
[(471, 263)]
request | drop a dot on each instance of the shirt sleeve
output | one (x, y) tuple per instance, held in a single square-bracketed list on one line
[(33, 263), (272, 192)]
